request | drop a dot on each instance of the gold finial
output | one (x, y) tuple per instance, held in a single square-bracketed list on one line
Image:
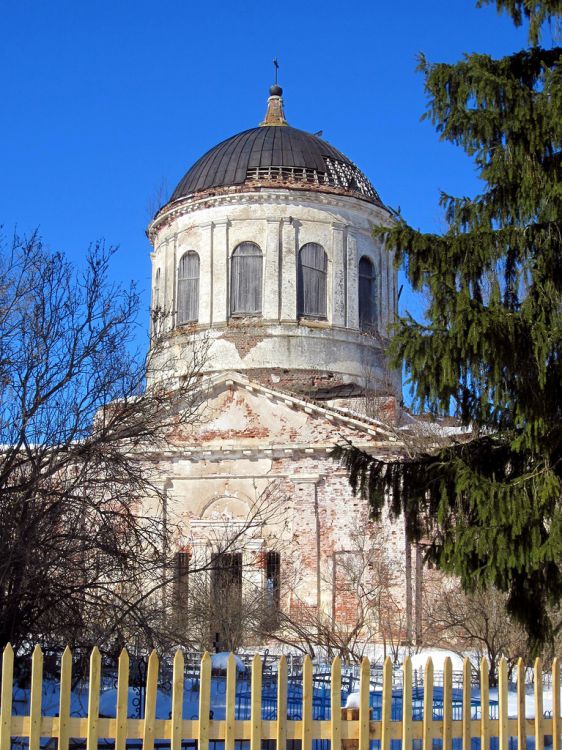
[(275, 114)]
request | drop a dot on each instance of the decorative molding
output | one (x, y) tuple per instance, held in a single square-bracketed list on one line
[(281, 197), (305, 478)]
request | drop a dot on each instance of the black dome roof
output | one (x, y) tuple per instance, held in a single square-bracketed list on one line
[(272, 155)]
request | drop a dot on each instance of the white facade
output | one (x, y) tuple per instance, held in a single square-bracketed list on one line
[(263, 443), (280, 222)]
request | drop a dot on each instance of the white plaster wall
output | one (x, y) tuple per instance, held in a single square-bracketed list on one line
[(280, 222)]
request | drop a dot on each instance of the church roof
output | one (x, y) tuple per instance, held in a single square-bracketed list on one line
[(276, 154)]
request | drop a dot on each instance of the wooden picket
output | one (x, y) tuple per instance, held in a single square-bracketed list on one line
[(306, 724), (6, 697), (503, 713), (364, 709), (204, 724), (447, 703), (281, 733), (556, 723), (386, 715), (407, 703), (427, 725), (345, 728), (122, 700), (94, 700), (64, 701), (484, 706), (539, 732), (335, 704), (466, 706), (178, 679), (36, 698), (521, 730)]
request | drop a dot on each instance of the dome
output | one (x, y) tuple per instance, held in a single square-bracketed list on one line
[(265, 257), (276, 156)]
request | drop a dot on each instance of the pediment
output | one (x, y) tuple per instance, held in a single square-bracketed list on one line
[(239, 414)]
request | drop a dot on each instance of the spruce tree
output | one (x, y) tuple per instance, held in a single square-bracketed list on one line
[(490, 347)]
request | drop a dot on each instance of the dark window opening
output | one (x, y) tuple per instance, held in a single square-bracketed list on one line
[(226, 579), (226, 600), (181, 578), (367, 294), (246, 271), (312, 276), (273, 577), (188, 288)]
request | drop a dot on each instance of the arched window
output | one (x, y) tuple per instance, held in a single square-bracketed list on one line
[(367, 294), (246, 269), (311, 281), (188, 288)]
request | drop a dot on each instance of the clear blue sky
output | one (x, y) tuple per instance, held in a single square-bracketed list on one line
[(106, 101)]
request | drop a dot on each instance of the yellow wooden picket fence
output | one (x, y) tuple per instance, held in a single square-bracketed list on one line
[(341, 733)]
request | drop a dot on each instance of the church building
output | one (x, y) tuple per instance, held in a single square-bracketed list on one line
[(265, 257)]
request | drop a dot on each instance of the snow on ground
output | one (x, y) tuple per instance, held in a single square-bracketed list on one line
[(220, 661), (529, 701), (438, 656), (352, 700)]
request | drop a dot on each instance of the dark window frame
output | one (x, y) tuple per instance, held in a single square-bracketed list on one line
[(367, 294), (181, 577), (312, 282), (273, 577), (188, 288), (246, 280)]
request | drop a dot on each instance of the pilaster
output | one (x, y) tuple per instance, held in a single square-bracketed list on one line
[(205, 273), (288, 269), (221, 268), (171, 282), (352, 283), (338, 274), (307, 534), (272, 285)]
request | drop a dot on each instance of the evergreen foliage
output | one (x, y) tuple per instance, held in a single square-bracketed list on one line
[(490, 350)]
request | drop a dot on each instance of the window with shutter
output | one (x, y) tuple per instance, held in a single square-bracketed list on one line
[(367, 294), (246, 271), (312, 278), (188, 288)]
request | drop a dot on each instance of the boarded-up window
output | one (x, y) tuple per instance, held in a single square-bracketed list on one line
[(188, 288), (246, 279), (367, 294), (311, 281)]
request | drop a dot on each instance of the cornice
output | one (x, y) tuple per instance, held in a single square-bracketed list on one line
[(264, 196)]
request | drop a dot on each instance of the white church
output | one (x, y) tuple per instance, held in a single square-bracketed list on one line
[(265, 255)]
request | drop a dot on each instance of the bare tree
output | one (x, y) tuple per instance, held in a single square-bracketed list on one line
[(80, 561), (364, 608), (476, 623)]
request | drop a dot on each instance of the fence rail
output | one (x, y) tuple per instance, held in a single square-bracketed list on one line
[(343, 729)]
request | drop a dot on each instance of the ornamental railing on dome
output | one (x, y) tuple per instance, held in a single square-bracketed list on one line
[(226, 706), (339, 175)]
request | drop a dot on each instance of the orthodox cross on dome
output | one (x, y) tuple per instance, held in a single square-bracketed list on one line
[(275, 114)]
